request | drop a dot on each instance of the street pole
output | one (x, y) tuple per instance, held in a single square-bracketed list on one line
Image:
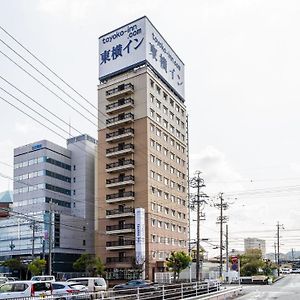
[(227, 255), (275, 255), (198, 182), (278, 249), (198, 229), (50, 238), (278, 253), (33, 238), (221, 235)]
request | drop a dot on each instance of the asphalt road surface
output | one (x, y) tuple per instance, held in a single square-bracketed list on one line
[(287, 288)]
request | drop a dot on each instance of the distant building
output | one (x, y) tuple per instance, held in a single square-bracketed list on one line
[(6, 201), (255, 243), (52, 185)]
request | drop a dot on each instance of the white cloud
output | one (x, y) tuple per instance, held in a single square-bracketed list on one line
[(217, 171)]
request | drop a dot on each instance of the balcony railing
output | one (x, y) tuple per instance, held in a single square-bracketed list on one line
[(121, 104), (119, 90), (120, 165), (120, 227), (127, 259), (120, 119), (119, 132), (120, 181), (120, 195), (119, 150), (125, 210), (120, 243)]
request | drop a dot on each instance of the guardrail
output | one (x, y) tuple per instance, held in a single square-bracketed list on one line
[(188, 291)]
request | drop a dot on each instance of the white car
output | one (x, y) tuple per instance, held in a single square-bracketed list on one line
[(43, 278), (93, 284), (26, 288), (69, 290)]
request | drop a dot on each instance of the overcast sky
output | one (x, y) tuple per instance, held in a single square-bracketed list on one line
[(242, 75)]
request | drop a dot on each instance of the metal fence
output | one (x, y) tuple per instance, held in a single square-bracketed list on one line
[(153, 292)]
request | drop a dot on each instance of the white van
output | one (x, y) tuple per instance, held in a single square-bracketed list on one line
[(94, 284), (24, 289), (43, 278)]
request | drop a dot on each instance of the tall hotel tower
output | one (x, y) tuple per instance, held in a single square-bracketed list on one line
[(142, 207)]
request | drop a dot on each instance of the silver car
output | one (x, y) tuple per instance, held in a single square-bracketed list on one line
[(63, 290)]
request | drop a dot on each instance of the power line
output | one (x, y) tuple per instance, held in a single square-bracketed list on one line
[(54, 73), (52, 92), (77, 102)]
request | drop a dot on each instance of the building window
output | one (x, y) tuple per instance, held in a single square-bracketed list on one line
[(158, 89), (151, 83), (172, 102), (158, 104), (158, 118), (151, 113), (83, 243), (152, 158), (74, 179), (151, 98), (165, 96), (74, 192), (74, 168)]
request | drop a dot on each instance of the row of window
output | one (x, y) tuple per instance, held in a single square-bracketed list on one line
[(166, 138), (158, 162), (159, 193), (42, 200), (167, 226), (168, 112), (42, 186), (167, 240), (42, 173), (164, 209), (167, 182), (158, 118), (41, 160), (166, 152), (165, 97)]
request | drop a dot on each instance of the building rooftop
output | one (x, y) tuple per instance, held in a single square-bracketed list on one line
[(6, 197)]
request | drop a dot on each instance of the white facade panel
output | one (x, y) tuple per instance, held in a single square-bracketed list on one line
[(139, 42)]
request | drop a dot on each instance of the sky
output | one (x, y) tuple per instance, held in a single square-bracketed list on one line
[(242, 67)]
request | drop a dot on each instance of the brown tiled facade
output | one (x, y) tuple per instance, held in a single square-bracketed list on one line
[(142, 162)]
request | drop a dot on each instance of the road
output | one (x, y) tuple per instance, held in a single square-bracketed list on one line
[(287, 288)]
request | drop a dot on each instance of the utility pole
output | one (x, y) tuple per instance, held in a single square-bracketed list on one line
[(33, 226), (275, 255), (221, 219), (50, 238), (227, 255), (278, 243), (199, 200)]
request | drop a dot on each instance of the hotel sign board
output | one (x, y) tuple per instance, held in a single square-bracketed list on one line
[(140, 248), (135, 44)]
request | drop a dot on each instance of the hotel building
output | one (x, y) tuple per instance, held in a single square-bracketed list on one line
[(142, 158)]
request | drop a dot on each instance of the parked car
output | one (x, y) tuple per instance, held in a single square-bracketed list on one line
[(132, 285), (296, 271), (62, 290), (43, 278), (3, 280), (22, 289), (93, 284)]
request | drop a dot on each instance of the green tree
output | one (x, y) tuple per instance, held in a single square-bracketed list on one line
[(87, 263), (251, 263), (99, 266), (37, 266), (13, 264), (177, 262)]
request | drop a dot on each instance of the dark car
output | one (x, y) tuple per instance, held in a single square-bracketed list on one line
[(132, 286)]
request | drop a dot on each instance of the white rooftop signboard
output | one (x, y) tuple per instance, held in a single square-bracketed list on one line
[(134, 44)]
